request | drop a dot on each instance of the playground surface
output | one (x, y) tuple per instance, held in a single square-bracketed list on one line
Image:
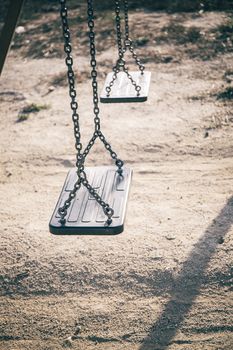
[(166, 281)]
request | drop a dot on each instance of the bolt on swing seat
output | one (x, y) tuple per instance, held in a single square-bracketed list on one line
[(122, 85), (93, 200)]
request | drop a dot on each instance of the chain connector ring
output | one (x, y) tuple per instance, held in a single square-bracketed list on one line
[(120, 62), (128, 42), (62, 221)]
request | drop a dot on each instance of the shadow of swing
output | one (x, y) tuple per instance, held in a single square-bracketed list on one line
[(187, 285)]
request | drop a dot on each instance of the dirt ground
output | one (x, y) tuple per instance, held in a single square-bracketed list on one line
[(166, 281)]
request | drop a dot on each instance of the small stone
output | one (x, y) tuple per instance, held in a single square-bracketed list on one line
[(68, 342), (51, 88), (20, 30), (170, 237), (220, 240), (77, 330)]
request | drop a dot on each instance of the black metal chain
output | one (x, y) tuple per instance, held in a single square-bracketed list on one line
[(128, 44), (118, 30), (126, 13), (127, 41), (74, 107), (119, 163), (80, 157)]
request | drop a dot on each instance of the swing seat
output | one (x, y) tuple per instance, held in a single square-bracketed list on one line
[(85, 216), (123, 89)]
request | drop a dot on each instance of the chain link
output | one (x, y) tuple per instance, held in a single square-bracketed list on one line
[(126, 13), (80, 157), (129, 44), (118, 29)]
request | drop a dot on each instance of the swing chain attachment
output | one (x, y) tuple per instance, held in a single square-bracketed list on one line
[(127, 44), (80, 157), (90, 12)]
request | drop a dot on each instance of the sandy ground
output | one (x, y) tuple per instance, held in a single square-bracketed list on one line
[(166, 281)]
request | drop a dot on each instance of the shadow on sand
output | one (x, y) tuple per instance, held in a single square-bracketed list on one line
[(187, 285)]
